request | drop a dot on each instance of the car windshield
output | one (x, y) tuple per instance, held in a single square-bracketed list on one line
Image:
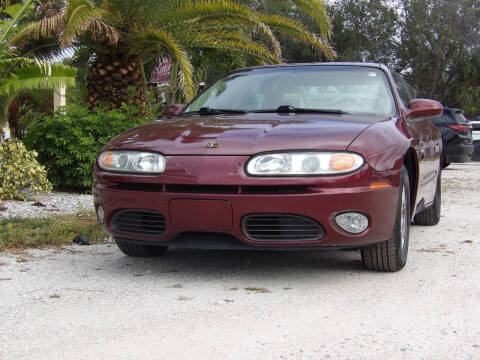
[(344, 89)]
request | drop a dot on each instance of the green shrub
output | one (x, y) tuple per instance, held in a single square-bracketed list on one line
[(68, 143), (19, 169)]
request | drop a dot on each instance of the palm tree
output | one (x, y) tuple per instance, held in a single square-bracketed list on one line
[(126, 35), (18, 72)]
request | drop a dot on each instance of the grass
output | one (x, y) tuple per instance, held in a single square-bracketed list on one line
[(16, 233)]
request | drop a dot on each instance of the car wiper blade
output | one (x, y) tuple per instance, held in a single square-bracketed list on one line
[(211, 111), (285, 109)]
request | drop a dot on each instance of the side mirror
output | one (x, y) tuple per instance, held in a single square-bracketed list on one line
[(424, 108), (172, 110)]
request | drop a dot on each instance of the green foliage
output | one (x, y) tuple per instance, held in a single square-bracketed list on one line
[(435, 44), (439, 38), (175, 29), (51, 231), (68, 143), (19, 169), (365, 30), (19, 72), (43, 76)]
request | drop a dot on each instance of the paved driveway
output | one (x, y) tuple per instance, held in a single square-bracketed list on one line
[(92, 302)]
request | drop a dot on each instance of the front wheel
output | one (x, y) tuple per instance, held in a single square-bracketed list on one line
[(139, 250), (391, 255)]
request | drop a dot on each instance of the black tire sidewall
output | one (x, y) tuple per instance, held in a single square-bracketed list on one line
[(402, 252)]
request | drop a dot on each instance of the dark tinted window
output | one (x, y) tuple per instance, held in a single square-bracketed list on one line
[(461, 119), (450, 116)]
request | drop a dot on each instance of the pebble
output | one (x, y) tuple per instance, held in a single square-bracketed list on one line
[(56, 203)]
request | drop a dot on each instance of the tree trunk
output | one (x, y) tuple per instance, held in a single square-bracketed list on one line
[(116, 80), (13, 118)]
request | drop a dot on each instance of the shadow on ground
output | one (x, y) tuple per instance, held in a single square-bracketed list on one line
[(215, 263)]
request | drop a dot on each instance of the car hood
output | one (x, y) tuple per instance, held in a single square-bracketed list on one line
[(244, 134)]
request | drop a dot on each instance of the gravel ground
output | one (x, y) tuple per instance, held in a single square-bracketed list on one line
[(52, 204), (92, 302)]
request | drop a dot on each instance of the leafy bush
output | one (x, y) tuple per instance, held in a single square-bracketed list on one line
[(68, 143), (19, 169)]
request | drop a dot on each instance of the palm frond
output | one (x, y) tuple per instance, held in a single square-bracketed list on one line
[(160, 42), (43, 76), (82, 16), (17, 61), (220, 12), (15, 11), (294, 29), (46, 28), (316, 10), (228, 41)]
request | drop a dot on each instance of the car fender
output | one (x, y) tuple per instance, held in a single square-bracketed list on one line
[(383, 145)]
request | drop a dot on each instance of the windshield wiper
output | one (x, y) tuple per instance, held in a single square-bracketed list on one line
[(286, 109), (209, 111)]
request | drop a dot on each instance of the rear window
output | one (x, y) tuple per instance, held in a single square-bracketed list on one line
[(450, 117), (461, 119)]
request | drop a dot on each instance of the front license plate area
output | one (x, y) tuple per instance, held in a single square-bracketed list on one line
[(201, 215)]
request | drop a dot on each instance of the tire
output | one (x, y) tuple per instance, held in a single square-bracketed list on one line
[(137, 250), (391, 255), (443, 160), (431, 215)]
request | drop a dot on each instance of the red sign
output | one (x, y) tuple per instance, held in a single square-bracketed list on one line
[(161, 72)]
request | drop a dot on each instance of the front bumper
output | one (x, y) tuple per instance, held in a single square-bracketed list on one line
[(317, 198), (458, 151)]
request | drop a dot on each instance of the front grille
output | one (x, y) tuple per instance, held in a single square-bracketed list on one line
[(276, 189), (139, 222), (202, 189), (215, 189), (281, 228), (141, 187)]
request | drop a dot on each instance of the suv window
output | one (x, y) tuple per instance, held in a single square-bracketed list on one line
[(461, 119), (450, 116), (405, 92)]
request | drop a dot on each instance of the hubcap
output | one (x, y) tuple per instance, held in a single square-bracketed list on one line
[(403, 220)]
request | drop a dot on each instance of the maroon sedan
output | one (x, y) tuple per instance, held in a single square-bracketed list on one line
[(336, 155)]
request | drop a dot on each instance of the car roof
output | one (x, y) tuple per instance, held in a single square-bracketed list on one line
[(293, 65)]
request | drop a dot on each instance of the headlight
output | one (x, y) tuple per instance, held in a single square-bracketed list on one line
[(304, 163), (132, 162)]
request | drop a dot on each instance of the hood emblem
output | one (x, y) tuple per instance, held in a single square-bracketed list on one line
[(212, 145)]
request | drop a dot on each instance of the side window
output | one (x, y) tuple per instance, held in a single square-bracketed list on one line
[(406, 94), (412, 92)]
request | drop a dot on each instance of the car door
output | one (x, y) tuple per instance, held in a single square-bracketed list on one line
[(427, 146)]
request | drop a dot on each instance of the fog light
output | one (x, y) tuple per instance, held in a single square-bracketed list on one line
[(100, 214), (352, 222)]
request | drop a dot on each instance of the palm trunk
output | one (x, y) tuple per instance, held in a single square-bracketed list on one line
[(116, 80), (13, 118)]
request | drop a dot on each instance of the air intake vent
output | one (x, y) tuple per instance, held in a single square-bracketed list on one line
[(281, 228), (139, 222)]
